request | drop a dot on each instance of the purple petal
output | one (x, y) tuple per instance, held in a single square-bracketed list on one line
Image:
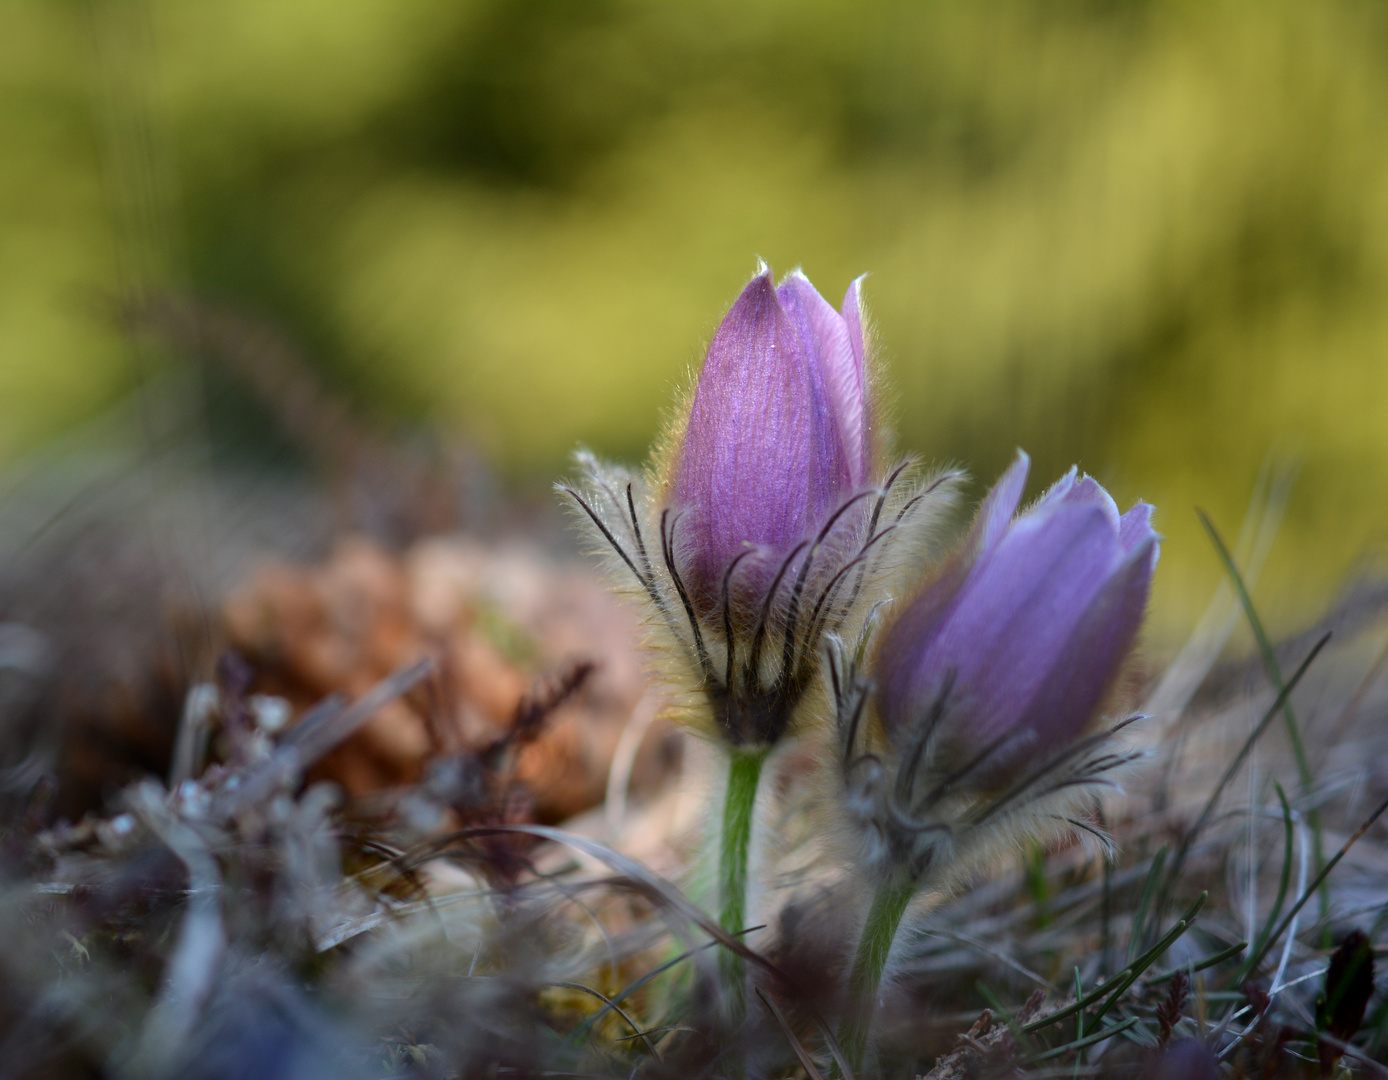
[(909, 639), (1013, 615), (998, 506), (852, 313), (853, 322), (902, 679), (1084, 668), (761, 461), (826, 338), (1060, 489), (1087, 490), (1136, 526)]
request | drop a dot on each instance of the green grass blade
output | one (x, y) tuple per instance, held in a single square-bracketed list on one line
[(1122, 981), (1315, 884), (1003, 1013), (1274, 670), (1210, 961), (609, 1004), (1282, 887), (1151, 956), (1144, 902), (1181, 852), (1090, 1040), (1079, 1022), (580, 1034)]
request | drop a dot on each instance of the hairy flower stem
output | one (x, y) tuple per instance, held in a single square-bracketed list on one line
[(744, 773), (889, 903)]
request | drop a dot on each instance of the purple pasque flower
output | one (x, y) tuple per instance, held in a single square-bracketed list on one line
[(777, 439), (769, 531), (1026, 634), (988, 679), (770, 496)]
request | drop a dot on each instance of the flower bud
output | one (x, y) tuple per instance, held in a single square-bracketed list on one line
[(777, 439), (770, 529), (990, 676)]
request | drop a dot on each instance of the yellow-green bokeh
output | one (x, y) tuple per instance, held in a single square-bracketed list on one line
[(1152, 238)]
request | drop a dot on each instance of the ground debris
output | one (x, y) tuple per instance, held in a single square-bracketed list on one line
[(985, 1050), (499, 626)]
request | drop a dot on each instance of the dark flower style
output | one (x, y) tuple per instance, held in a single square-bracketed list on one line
[(772, 517)]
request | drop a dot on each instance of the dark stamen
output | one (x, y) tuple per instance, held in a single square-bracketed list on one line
[(912, 825), (667, 544), (727, 615), (886, 491), (906, 777), (1091, 773), (949, 781), (596, 475), (788, 653), (1069, 754), (901, 514), (607, 535), (817, 623), (754, 661), (858, 762), (636, 530), (853, 722), (1102, 837)]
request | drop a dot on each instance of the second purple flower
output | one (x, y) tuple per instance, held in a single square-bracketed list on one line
[(1021, 638), (984, 688)]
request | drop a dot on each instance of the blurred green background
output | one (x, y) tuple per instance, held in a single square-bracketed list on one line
[(1150, 238)]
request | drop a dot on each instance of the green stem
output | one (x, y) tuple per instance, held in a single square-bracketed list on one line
[(889, 904), (744, 773)]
